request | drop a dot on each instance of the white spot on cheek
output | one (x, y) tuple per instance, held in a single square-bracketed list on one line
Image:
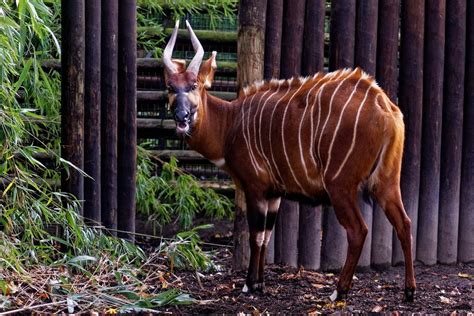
[(219, 162), (195, 116), (259, 238)]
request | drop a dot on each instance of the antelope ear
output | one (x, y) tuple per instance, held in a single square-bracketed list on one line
[(180, 67), (207, 70)]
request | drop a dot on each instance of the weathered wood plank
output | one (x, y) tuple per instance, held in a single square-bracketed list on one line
[(127, 118), (273, 39), (411, 104), (72, 95), (387, 77), (427, 238), (451, 141), (109, 94), (365, 57), (92, 196), (466, 214), (342, 41)]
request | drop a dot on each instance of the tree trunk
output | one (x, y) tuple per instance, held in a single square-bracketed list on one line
[(313, 42), (250, 57), (309, 241)]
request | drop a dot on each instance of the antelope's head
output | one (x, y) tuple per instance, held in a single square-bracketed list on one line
[(186, 85)]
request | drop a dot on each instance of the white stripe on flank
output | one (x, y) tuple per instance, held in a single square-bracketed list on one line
[(249, 144), (284, 143), (262, 152), (245, 136), (328, 162), (354, 134), (329, 113), (301, 126), (270, 132), (319, 122), (255, 122)]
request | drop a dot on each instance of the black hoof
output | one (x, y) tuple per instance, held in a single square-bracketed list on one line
[(409, 295), (260, 287)]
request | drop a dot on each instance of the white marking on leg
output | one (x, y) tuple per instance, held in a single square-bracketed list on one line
[(219, 162), (333, 296), (354, 135), (328, 162), (284, 143), (268, 235), (245, 289), (259, 238)]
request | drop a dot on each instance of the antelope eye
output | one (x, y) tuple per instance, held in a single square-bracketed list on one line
[(170, 89), (195, 85)]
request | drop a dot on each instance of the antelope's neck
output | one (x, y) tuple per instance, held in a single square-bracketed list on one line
[(215, 119)]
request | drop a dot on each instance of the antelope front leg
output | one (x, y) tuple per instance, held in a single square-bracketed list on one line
[(273, 206), (256, 216)]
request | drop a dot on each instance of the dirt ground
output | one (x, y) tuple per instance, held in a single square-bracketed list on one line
[(441, 289)]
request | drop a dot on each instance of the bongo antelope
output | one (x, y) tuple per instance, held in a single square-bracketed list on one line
[(323, 137)]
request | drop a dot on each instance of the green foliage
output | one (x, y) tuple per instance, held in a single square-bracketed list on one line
[(175, 195), (184, 251), (152, 13), (30, 205)]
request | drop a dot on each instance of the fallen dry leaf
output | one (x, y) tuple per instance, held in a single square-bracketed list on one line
[(444, 300), (377, 309)]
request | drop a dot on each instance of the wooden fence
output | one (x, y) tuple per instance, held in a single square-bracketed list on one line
[(421, 53), (431, 80)]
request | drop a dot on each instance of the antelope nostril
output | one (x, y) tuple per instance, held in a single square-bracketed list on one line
[(181, 116)]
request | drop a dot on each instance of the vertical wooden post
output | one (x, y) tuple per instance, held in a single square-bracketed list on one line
[(292, 38), (72, 95), (109, 112), (309, 239), (272, 70), (92, 112), (273, 39), (127, 117), (365, 57), (387, 77), (291, 53), (411, 104), (451, 146), (250, 56), (309, 242), (342, 33), (313, 43), (427, 238), (466, 214)]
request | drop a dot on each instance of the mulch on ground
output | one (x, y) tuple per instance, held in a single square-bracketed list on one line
[(441, 289)]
